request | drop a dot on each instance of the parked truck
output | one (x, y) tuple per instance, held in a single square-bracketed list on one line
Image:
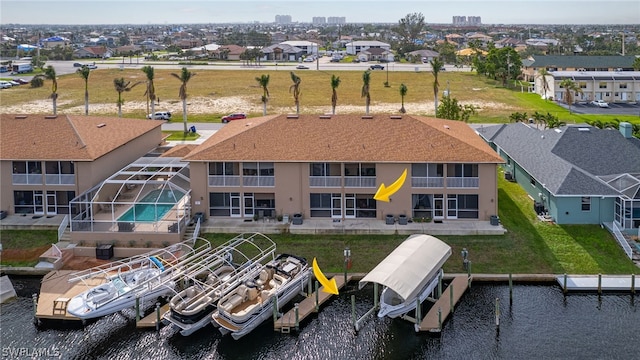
[(22, 68)]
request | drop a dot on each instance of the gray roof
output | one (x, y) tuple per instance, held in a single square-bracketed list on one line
[(286, 48), (573, 61), (572, 160)]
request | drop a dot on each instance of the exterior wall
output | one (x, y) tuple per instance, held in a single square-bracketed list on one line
[(124, 239), (291, 188), (199, 189), (568, 210)]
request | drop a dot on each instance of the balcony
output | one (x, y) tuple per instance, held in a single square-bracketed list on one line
[(360, 181), (27, 179), (427, 182), (60, 179), (324, 181), (258, 181), (463, 182), (218, 180)]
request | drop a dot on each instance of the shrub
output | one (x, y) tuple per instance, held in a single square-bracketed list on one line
[(37, 82)]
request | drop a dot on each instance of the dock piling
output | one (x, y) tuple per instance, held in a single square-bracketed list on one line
[(35, 308), (451, 301), (157, 316), (418, 312), (309, 288), (440, 319), (353, 312), (375, 296), (440, 285), (599, 284), (498, 312), (469, 274), (296, 307), (564, 283), (633, 283), (275, 309), (137, 310), (510, 289), (317, 294)]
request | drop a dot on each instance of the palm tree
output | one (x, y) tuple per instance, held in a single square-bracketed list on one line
[(295, 89), (436, 65), (263, 80), (184, 77), (151, 91), (335, 82), (542, 74), (121, 86), (366, 79), (539, 119), (553, 122), (570, 87), (403, 93), (84, 73), (50, 74)]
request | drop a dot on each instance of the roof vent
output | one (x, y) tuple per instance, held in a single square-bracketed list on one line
[(51, 116), (325, 116), (395, 117), (101, 125), (368, 117), (21, 116), (292, 116)]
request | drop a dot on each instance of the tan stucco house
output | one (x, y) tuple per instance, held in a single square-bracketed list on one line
[(330, 166)]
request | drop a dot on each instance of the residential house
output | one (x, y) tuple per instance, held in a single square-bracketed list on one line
[(52, 42), (377, 54), (308, 47), (330, 167), (96, 52), (355, 47), (425, 55), (229, 52), (282, 52), (610, 86), (47, 160), (532, 65), (574, 174)]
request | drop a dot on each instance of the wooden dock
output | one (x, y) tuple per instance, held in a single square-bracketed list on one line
[(56, 291), (431, 322), (306, 307), (150, 320)]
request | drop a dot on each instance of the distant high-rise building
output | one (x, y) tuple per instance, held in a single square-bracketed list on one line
[(466, 20), (318, 20), (336, 20), (283, 19)]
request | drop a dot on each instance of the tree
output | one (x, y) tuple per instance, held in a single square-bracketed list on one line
[(436, 65), (403, 93), (295, 90), (50, 74), (570, 87), (452, 110), (263, 80), (553, 122), (636, 64), (84, 73), (121, 85), (539, 119), (366, 79), (542, 74), (409, 30), (518, 117), (151, 91), (335, 82), (184, 77)]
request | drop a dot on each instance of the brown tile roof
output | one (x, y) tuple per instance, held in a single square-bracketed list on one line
[(345, 138), (66, 137)]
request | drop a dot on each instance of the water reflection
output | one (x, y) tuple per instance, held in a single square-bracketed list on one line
[(540, 323)]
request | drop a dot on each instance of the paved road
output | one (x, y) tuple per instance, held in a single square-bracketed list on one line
[(615, 109)]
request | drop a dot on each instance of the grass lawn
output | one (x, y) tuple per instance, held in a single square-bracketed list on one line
[(180, 135)]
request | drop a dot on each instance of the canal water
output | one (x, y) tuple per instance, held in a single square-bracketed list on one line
[(541, 323)]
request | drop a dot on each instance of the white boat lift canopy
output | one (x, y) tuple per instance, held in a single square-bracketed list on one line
[(410, 266)]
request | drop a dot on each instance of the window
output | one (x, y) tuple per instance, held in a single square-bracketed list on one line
[(467, 206), (623, 85), (462, 170), (583, 85), (27, 172), (224, 168), (23, 202), (320, 205), (533, 182), (603, 85), (427, 170), (356, 169), (59, 172), (220, 204), (586, 203), (324, 169), (365, 206), (422, 205), (258, 174)]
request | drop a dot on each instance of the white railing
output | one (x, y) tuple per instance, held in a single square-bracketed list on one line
[(56, 252), (63, 226), (324, 181), (27, 179), (427, 182), (196, 230), (224, 180), (463, 182), (59, 179), (360, 181), (622, 240), (258, 181)]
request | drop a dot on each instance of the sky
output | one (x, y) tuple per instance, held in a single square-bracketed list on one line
[(356, 11)]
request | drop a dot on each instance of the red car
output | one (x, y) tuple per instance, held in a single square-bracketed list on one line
[(235, 116)]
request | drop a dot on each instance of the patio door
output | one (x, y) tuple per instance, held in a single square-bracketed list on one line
[(452, 207), (51, 203), (249, 205), (38, 201), (350, 206), (235, 204), (336, 206), (438, 206)]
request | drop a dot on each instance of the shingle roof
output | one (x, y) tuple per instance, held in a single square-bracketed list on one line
[(562, 61), (346, 137), (569, 161), (68, 137)]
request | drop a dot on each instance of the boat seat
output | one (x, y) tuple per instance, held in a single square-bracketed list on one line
[(233, 301), (264, 278), (191, 292)]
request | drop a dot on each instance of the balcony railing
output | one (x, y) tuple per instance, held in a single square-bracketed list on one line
[(60, 179), (227, 180), (324, 181), (463, 182), (258, 181), (427, 182), (360, 181), (29, 179)]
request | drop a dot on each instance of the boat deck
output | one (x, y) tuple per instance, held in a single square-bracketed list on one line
[(306, 307), (150, 320), (432, 322), (607, 282), (56, 291)]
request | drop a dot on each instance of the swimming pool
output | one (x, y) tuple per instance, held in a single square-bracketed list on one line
[(152, 207)]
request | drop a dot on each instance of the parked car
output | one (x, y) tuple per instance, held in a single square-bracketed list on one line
[(234, 116), (334, 60), (309, 59), (21, 81), (91, 66), (5, 85), (160, 115), (77, 65), (302, 67), (600, 103), (376, 67)]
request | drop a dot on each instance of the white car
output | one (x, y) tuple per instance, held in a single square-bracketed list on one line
[(600, 103), (160, 115), (5, 85)]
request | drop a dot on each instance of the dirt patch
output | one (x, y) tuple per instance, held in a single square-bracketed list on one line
[(23, 255), (83, 263)]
